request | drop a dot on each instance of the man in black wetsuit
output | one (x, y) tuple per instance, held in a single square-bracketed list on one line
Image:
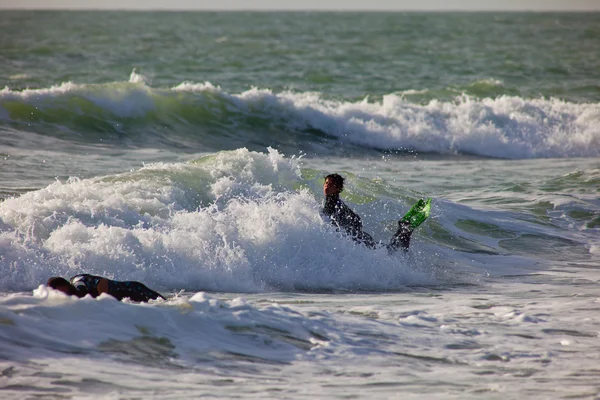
[(343, 217), (84, 284)]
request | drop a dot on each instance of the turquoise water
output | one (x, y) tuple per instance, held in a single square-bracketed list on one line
[(187, 151)]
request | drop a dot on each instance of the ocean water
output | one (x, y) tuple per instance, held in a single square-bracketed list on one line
[(187, 151)]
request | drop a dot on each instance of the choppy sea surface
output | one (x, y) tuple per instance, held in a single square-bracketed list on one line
[(187, 151)]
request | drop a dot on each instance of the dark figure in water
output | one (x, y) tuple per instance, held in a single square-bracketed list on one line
[(84, 284), (343, 217)]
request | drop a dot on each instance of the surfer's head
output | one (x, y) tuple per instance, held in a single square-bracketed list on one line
[(334, 184), (61, 284)]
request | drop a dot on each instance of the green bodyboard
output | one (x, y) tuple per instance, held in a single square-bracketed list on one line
[(418, 213)]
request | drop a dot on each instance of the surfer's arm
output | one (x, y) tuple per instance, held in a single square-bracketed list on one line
[(352, 224), (85, 284), (102, 286), (349, 220)]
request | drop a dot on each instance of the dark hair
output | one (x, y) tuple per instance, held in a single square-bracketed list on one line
[(57, 281), (337, 180)]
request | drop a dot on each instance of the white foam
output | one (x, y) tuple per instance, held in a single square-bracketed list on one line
[(122, 99), (197, 87), (201, 326), (242, 228), (137, 78), (192, 343), (506, 127), (54, 90)]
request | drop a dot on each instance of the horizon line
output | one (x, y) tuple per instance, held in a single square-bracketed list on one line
[(350, 10)]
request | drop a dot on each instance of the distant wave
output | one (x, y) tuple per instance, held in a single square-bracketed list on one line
[(193, 115)]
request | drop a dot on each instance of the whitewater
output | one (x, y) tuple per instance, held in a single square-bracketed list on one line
[(190, 156), (503, 127)]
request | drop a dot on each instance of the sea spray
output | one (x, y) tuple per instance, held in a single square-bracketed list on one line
[(233, 221)]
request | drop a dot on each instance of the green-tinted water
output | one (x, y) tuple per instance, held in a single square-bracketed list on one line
[(342, 55)]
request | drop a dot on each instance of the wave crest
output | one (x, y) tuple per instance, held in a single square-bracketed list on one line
[(203, 115)]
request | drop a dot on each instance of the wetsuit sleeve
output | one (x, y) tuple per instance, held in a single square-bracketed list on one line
[(354, 227), (343, 217), (85, 284), (349, 220), (133, 290)]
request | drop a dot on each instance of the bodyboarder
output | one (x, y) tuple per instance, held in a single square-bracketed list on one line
[(84, 284), (344, 218)]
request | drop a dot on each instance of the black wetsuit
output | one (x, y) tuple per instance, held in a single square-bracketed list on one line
[(88, 284), (343, 217)]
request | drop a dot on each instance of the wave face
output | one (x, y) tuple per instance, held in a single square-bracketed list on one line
[(232, 221), (243, 221), (203, 117)]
